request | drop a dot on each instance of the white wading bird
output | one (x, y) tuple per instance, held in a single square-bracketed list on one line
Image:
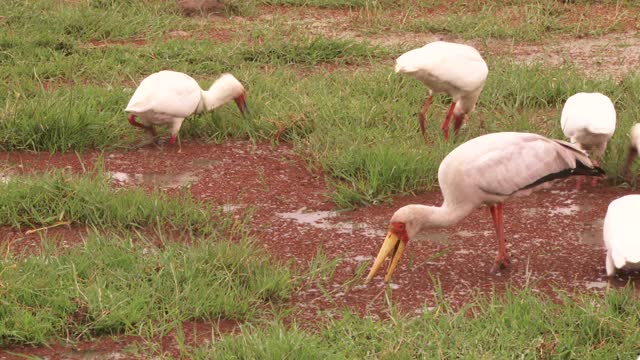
[(589, 120), (485, 171), (621, 235), (455, 69), (168, 97), (633, 148)]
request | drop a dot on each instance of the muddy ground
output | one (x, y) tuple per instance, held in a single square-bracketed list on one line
[(554, 234)]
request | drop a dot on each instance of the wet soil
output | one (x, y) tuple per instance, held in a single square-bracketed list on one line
[(554, 234)]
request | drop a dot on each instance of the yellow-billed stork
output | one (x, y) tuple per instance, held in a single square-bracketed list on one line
[(168, 97), (485, 170), (455, 69)]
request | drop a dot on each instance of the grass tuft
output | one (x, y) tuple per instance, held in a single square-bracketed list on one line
[(312, 51), (41, 200), (521, 322), (125, 284)]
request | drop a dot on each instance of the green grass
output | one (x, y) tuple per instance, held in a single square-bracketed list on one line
[(358, 124), (363, 132), (520, 324), (90, 200), (117, 284), (337, 100)]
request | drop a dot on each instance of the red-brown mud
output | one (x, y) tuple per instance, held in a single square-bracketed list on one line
[(554, 234)]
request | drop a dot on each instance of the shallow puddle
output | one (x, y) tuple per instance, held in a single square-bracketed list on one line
[(435, 237), (205, 163), (468, 233), (321, 220), (592, 234), (163, 181), (565, 210), (596, 284), (231, 207), (568, 209)]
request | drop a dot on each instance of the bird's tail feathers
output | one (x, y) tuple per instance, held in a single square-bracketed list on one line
[(595, 129), (588, 170), (575, 153), (404, 68)]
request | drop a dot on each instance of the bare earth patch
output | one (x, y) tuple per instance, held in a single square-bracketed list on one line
[(554, 234)]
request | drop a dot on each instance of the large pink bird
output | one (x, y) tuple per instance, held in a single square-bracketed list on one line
[(455, 69), (168, 97), (487, 171)]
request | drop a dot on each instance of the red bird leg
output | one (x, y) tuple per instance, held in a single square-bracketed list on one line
[(579, 182), (445, 124), (502, 260), (596, 162), (423, 115), (457, 123), (173, 139), (132, 121), (149, 128)]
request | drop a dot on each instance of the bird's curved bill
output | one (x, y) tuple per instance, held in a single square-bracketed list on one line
[(241, 101), (393, 247)]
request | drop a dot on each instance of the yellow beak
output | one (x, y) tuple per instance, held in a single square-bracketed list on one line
[(391, 244)]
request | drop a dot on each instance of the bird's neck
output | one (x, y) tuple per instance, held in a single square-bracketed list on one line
[(442, 216), (212, 98)]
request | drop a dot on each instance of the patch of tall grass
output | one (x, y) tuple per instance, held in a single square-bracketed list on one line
[(124, 284), (41, 200), (519, 323)]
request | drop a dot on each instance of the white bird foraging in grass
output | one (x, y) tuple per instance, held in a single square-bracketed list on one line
[(633, 149), (455, 69), (486, 170), (589, 120), (621, 237), (168, 97)]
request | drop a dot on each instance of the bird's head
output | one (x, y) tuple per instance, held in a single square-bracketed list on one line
[(231, 89), (633, 148), (405, 223)]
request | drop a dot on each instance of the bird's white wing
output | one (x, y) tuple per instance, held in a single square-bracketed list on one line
[(166, 92), (621, 236), (456, 64), (591, 112), (516, 161)]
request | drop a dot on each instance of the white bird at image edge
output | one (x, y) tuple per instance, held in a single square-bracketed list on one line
[(621, 237)]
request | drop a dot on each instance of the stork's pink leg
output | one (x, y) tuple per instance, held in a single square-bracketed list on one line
[(132, 121), (457, 124), (579, 182), (594, 181), (423, 115), (445, 124), (173, 139), (502, 260), (149, 128)]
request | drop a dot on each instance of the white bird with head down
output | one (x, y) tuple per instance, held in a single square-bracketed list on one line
[(455, 69), (486, 170), (589, 120), (168, 97), (621, 234)]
